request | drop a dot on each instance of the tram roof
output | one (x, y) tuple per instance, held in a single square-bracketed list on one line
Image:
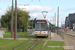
[(41, 19)]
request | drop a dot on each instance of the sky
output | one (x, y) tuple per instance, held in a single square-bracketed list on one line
[(35, 7)]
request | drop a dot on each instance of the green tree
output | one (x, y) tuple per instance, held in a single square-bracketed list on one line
[(32, 23), (22, 19)]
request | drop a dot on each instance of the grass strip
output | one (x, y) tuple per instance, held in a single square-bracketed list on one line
[(5, 41), (24, 36), (11, 46), (17, 33), (54, 45), (20, 36)]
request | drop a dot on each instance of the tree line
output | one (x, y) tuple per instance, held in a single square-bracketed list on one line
[(22, 19)]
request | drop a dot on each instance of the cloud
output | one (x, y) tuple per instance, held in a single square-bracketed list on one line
[(39, 15), (36, 11), (2, 12), (35, 8), (34, 14)]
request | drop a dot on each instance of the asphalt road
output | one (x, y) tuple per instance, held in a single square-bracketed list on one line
[(69, 42)]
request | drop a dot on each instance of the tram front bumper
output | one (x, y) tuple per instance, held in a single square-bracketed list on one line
[(41, 34)]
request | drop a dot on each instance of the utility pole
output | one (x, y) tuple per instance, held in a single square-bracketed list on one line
[(57, 19), (12, 21), (15, 18)]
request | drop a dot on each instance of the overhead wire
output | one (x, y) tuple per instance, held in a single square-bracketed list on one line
[(43, 10), (21, 1), (27, 3), (41, 4), (30, 2)]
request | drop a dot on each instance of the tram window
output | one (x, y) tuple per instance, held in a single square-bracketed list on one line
[(41, 25), (29, 27)]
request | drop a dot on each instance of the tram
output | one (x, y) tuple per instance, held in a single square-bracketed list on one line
[(41, 27)]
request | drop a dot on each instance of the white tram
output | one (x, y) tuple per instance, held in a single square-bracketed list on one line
[(41, 27)]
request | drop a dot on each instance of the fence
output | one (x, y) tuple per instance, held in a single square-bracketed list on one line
[(61, 33)]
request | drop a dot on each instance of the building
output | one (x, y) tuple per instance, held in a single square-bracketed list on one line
[(66, 22), (70, 21)]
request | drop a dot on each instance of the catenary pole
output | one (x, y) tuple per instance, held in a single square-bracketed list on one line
[(55, 22), (15, 18), (57, 19), (12, 21)]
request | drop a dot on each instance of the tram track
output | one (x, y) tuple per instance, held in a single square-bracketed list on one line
[(35, 44), (35, 41), (22, 44), (46, 40)]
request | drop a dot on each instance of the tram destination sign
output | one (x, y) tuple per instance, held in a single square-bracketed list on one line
[(40, 22)]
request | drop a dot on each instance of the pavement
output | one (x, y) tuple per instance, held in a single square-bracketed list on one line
[(55, 37), (17, 38)]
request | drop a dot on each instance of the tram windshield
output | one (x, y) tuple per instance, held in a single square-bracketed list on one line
[(41, 25)]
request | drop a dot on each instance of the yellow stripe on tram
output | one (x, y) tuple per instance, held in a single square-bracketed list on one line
[(40, 32)]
